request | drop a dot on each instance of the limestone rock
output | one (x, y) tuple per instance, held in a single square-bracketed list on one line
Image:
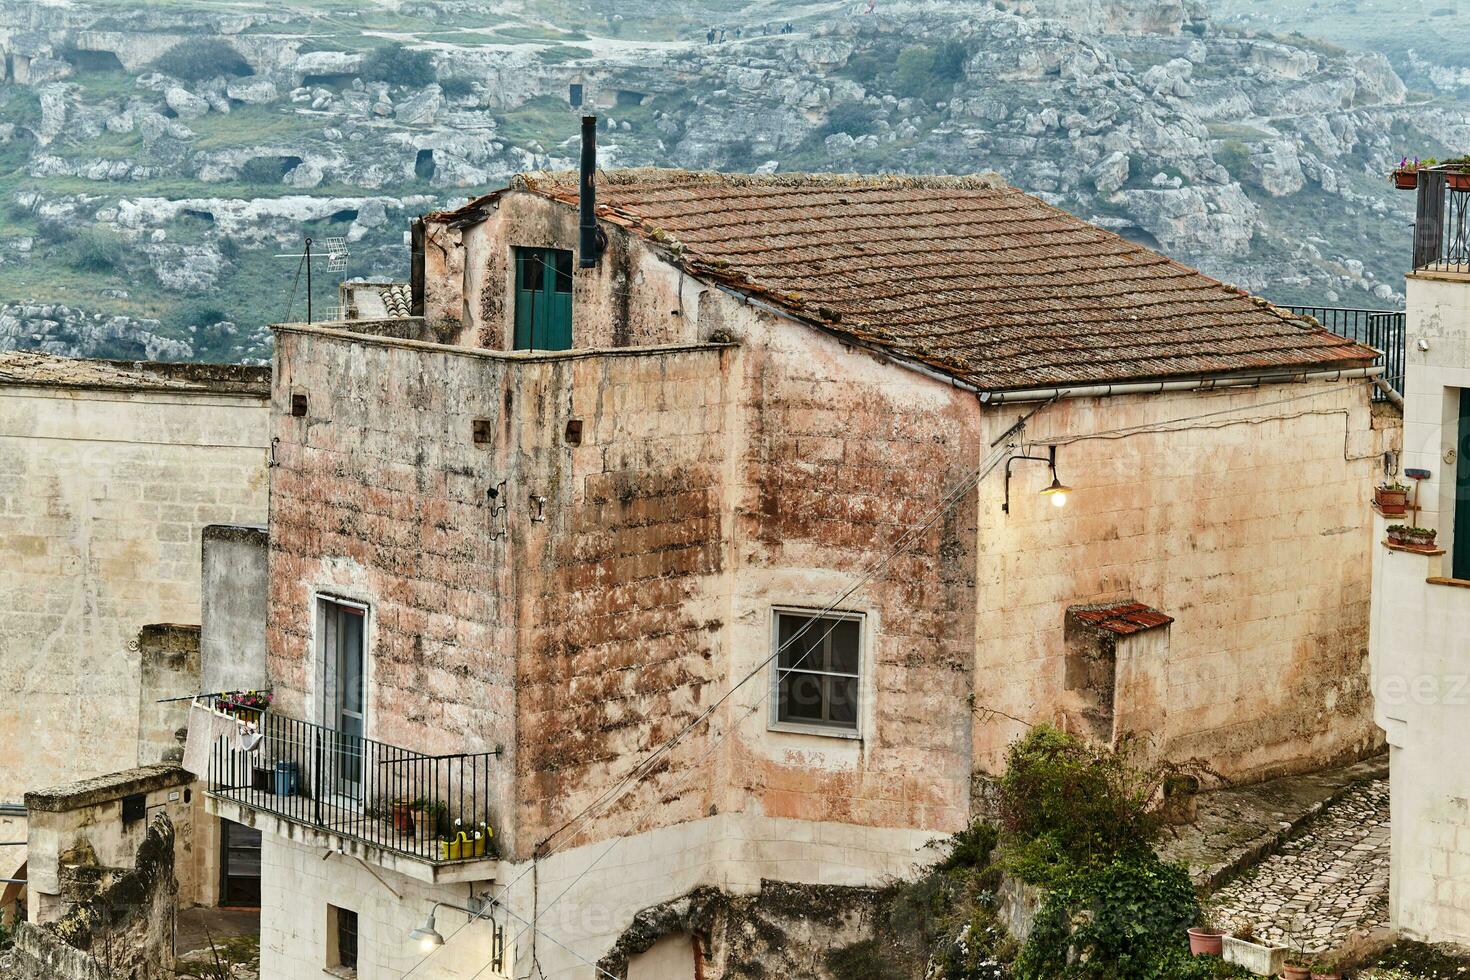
[(185, 104), (252, 91)]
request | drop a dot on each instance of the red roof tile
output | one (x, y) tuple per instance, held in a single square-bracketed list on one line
[(964, 274), (1129, 618)]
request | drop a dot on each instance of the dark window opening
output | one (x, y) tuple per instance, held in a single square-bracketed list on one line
[(543, 306), (342, 935), (818, 670), (298, 406), (134, 807), (574, 95), (239, 865), (424, 166)]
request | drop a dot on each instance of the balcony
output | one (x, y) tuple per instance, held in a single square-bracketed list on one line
[(1441, 231), (425, 816), (1380, 329)]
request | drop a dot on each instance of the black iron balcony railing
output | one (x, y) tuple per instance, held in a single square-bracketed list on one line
[(433, 807), (1383, 329), (1442, 221)]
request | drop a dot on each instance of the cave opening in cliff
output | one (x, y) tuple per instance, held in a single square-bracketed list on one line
[(268, 169), (424, 165), (101, 61), (629, 99), (345, 215), (328, 81), (205, 216)]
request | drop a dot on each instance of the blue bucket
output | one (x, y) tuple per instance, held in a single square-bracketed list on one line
[(285, 779)]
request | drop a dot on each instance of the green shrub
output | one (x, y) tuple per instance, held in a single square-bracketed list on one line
[(856, 118), (93, 250), (397, 65), (1066, 802), (457, 86), (202, 58), (929, 73)]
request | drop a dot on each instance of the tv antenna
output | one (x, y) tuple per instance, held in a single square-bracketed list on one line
[(336, 257)]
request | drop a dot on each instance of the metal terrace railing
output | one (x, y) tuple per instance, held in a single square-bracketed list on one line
[(1383, 329), (432, 807), (1442, 221)]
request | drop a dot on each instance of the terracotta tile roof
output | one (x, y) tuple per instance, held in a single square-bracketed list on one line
[(1128, 618), (397, 298), (964, 274)]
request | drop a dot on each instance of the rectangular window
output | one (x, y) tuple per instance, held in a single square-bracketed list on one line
[(543, 306), (341, 941), (818, 670)]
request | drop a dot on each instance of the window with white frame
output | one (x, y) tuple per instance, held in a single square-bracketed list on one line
[(818, 672)]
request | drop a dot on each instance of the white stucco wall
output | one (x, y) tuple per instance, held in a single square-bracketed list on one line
[(583, 898), (1421, 636)]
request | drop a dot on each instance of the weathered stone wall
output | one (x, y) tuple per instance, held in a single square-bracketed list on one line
[(104, 493), (232, 609), (631, 299), (78, 840), (124, 932), (1250, 528), (168, 656)]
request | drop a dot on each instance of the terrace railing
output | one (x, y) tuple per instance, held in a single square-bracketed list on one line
[(1383, 329), (1442, 222), (432, 807)]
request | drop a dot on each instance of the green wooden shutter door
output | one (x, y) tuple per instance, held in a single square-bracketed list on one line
[(543, 312), (1460, 561)]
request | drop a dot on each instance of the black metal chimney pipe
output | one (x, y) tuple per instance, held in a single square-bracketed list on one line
[(590, 245)]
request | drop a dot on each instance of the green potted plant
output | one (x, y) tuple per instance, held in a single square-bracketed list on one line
[(1392, 499), (1297, 962), (1457, 174), (1206, 938), (1398, 534), (1421, 537), (1327, 967), (1406, 175)]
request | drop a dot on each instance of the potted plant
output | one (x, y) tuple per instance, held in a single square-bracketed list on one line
[(1327, 967), (1296, 966), (402, 816), (1398, 534), (1406, 175), (1243, 949), (1421, 537), (1392, 499), (483, 833), (1206, 938), (246, 705), (1457, 174)]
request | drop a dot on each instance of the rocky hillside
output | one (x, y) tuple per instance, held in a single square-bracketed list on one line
[(161, 164)]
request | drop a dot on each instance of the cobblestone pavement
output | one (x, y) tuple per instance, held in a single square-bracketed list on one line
[(1328, 881)]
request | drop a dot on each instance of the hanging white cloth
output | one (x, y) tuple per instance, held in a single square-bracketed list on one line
[(206, 727)]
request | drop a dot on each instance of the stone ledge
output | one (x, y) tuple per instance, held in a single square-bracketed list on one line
[(105, 789), (1413, 549)]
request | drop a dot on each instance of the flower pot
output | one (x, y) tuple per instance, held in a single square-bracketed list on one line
[(1458, 180), (1327, 975), (1398, 536), (403, 818), (1423, 540), (1406, 180), (1291, 971), (1205, 942), (1391, 502), (1259, 958)]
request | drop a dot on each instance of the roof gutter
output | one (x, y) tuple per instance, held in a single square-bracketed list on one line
[(1202, 383), (1198, 383)]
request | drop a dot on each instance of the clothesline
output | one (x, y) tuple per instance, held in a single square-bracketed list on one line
[(216, 694)]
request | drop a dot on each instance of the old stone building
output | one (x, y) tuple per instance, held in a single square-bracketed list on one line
[(701, 546), (108, 473)]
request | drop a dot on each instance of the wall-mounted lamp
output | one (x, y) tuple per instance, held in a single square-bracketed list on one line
[(426, 935), (1058, 491), (429, 938)]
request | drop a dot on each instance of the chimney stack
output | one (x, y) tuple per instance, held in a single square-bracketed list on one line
[(591, 242)]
